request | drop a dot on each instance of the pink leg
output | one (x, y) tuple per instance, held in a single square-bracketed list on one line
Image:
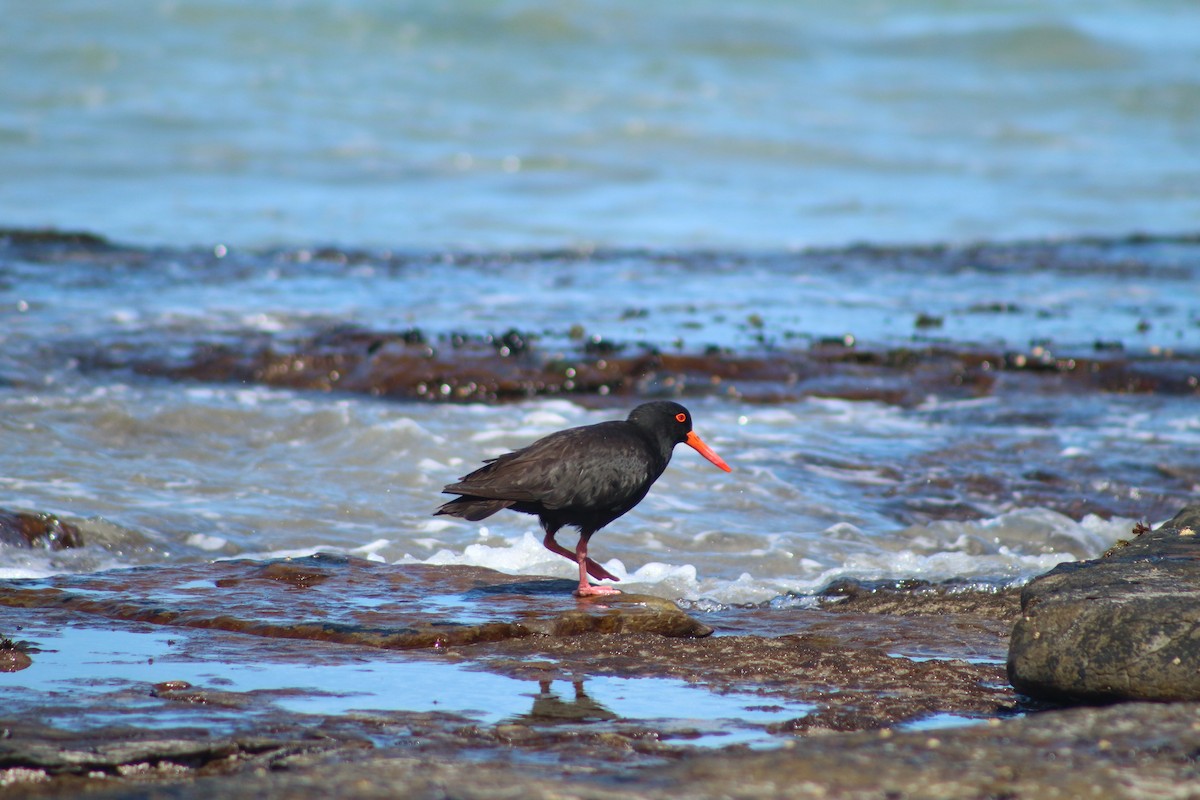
[(595, 570), (585, 589)]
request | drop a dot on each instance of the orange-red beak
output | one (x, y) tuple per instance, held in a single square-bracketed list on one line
[(700, 447)]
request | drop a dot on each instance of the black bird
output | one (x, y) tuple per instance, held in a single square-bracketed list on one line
[(584, 477)]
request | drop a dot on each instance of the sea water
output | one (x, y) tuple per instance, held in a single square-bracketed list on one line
[(992, 488), (525, 123), (631, 172)]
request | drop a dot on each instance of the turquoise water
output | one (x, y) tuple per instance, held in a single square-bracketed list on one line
[(526, 123)]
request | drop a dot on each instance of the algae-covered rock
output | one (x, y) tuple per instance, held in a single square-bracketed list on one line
[(23, 529)]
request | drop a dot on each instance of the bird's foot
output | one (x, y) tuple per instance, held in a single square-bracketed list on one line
[(600, 573), (596, 591)]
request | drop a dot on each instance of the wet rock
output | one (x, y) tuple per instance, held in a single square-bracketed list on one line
[(42, 752), (184, 692), (395, 607), (22, 529), (1122, 627), (1130, 751), (876, 726), (890, 655), (920, 597), (51, 237), (1070, 754), (862, 687), (12, 657), (624, 613)]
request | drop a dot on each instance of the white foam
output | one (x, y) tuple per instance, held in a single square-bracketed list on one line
[(668, 580), (1016, 546), (25, 573), (206, 542), (546, 418), (429, 465), (25, 564), (267, 323), (491, 436), (521, 556), (409, 426), (436, 525), (268, 555), (1027, 530), (370, 551), (427, 542), (769, 416)]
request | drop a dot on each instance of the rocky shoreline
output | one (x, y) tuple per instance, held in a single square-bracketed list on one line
[(331, 676), (897, 690)]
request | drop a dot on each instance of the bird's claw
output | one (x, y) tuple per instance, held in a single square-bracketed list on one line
[(600, 573), (596, 591)]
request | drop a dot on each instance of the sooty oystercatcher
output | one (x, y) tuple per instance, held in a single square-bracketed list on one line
[(584, 477)]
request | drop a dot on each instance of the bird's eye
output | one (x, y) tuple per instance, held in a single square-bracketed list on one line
[(681, 417)]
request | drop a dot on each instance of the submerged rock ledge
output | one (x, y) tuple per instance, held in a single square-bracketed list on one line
[(402, 607), (770, 361), (490, 368)]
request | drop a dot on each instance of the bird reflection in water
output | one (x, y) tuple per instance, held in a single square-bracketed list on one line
[(549, 706)]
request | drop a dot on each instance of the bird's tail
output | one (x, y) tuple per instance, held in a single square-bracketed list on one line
[(473, 508)]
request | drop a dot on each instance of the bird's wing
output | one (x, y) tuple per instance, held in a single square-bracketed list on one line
[(603, 472), (575, 467), (502, 478)]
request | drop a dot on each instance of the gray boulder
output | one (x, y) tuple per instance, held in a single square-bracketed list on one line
[(1125, 626)]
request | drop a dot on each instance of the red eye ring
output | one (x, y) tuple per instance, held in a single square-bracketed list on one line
[(681, 417)]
